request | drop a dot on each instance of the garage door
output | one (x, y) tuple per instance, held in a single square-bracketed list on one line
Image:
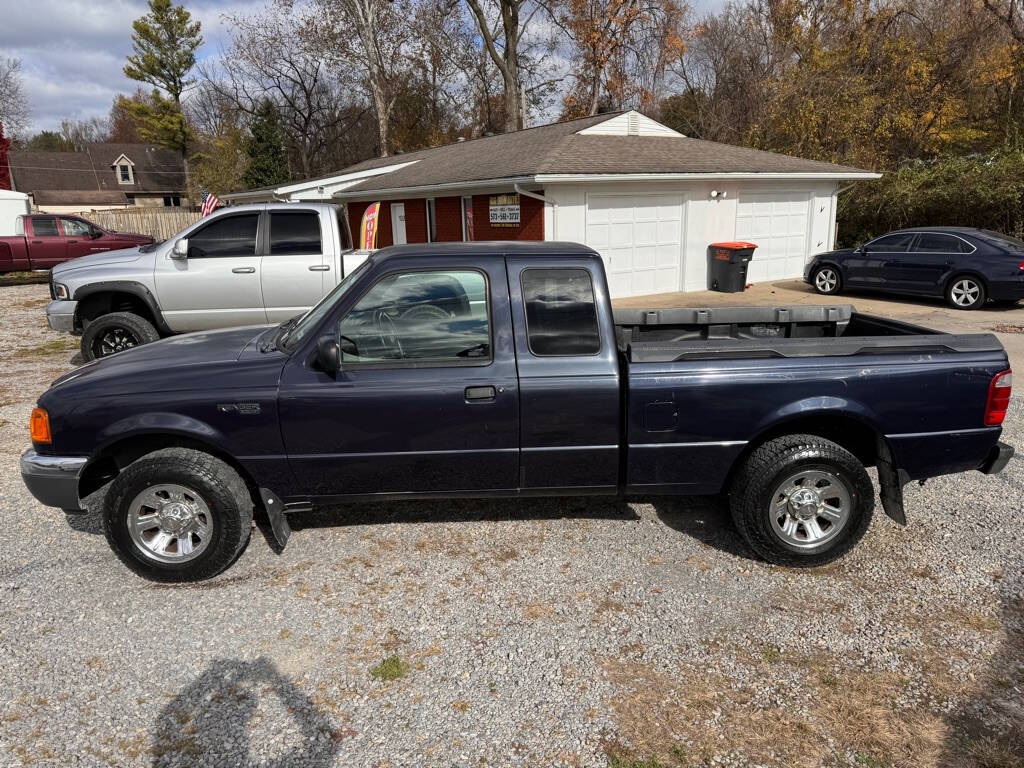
[(778, 222), (640, 239)]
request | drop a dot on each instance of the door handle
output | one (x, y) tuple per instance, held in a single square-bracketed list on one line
[(243, 270), (320, 268), (480, 393)]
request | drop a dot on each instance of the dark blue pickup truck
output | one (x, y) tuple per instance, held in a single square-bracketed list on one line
[(500, 369)]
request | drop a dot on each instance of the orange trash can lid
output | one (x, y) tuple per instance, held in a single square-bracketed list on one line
[(734, 245)]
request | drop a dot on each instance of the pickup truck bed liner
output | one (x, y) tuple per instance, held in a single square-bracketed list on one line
[(671, 335)]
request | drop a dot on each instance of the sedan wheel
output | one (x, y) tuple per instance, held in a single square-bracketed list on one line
[(966, 293), (826, 280)]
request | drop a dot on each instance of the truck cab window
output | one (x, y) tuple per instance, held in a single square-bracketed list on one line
[(295, 233), (44, 226), (561, 314), (228, 236), (75, 228), (420, 317)]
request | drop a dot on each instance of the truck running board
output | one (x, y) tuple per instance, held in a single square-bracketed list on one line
[(275, 512)]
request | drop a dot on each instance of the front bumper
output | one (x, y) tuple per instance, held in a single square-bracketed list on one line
[(60, 315), (53, 480), (997, 459)]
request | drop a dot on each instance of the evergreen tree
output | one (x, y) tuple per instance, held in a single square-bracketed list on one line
[(164, 42), (268, 163)]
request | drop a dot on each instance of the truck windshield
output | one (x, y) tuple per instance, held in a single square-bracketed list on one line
[(309, 321)]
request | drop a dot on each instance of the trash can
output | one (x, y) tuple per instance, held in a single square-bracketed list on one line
[(727, 266)]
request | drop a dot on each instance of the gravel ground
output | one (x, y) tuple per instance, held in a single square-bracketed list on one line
[(570, 632)]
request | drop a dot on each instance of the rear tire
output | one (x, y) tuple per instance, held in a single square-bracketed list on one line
[(965, 292), (116, 332), (802, 500), (827, 280), (178, 515)]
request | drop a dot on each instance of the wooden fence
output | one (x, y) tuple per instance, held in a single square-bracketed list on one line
[(160, 223)]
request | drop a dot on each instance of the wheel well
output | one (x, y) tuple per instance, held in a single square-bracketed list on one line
[(966, 273), (115, 457), (847, 431), (105, 302)]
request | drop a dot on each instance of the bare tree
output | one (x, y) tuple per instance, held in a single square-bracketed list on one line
[(371, 37), (1011, 14), (276, 55), (82, 132), (14, 110), (503, 41)]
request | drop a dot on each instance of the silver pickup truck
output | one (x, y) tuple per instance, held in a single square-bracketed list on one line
[(247, 265)]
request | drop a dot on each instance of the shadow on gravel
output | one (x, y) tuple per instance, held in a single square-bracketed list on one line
[(463, 511), (705, 518), (986, 730), (85, 522), (215, 720)]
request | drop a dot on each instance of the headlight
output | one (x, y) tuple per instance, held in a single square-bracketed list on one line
[(61, 292)]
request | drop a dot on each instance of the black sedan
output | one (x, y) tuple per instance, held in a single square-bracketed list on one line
[(966, 266)]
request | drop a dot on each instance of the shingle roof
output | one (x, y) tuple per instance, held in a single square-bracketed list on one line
[(78, 197), (51, 170), (155, 169), (558, 148)]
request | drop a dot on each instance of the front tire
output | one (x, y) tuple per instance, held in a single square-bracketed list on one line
[(116, 332), (802, 500), (965, 292), (178, 515), (827, 280)]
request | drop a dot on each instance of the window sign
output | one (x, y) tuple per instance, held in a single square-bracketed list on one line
[(504, 210)]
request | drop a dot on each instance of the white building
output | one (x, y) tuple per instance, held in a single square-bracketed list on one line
[(649, 199)]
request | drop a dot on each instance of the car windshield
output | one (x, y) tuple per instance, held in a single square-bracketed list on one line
[(309, 321), (1011, 244)]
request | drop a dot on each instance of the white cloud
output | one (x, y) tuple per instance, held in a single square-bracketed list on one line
[(73, 52)]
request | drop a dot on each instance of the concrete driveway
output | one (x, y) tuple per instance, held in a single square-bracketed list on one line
[(1006, 322)]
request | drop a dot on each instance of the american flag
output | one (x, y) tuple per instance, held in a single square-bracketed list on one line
[(210, 202)]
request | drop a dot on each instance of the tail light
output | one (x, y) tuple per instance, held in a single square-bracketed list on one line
[(39, 426), (1021, 265), (998, 398)]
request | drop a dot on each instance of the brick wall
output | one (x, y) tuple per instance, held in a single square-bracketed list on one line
[(449, 220)]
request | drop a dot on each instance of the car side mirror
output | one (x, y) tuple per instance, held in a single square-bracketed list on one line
[(180, 249), (328, 354), (95, 234)]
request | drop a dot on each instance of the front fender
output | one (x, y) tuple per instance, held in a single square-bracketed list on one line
[(160, 423)]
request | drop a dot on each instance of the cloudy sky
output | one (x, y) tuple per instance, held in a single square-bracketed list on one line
[(72, 51)]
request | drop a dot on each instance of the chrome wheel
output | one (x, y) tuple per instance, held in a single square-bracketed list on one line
[(965, 292), (170, 523), (114, 340), (810, 508), (826, 280)]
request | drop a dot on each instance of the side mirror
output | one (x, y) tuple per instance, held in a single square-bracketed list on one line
[(180, 249), (328, 354), (95, 234)]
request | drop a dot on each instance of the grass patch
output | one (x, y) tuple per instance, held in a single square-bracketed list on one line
[(52, 347), (391, 668), (771, 654)]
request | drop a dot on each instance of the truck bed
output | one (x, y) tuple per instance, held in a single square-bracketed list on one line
[(672, 335)]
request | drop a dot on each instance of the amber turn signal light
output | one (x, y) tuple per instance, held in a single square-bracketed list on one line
[(39, 426)]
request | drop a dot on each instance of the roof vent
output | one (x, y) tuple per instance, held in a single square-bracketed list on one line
[(634, 124)]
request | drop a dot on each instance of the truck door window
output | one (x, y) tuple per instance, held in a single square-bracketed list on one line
[(75, 228), (435, 317), (44, 226), (227, 236), (295, 233), (561, 314)]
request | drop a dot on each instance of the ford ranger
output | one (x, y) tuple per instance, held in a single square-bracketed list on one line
[(240, 266), (500, 369), (42, 241)]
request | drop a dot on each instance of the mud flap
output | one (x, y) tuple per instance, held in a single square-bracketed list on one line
[(892, 481), (275, 512)]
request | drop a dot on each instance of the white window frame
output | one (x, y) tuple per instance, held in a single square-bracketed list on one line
[(431, 210), (124, 162), (464, 199)]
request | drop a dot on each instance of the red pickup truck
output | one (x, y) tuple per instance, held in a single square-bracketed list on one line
[(42, 241)]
